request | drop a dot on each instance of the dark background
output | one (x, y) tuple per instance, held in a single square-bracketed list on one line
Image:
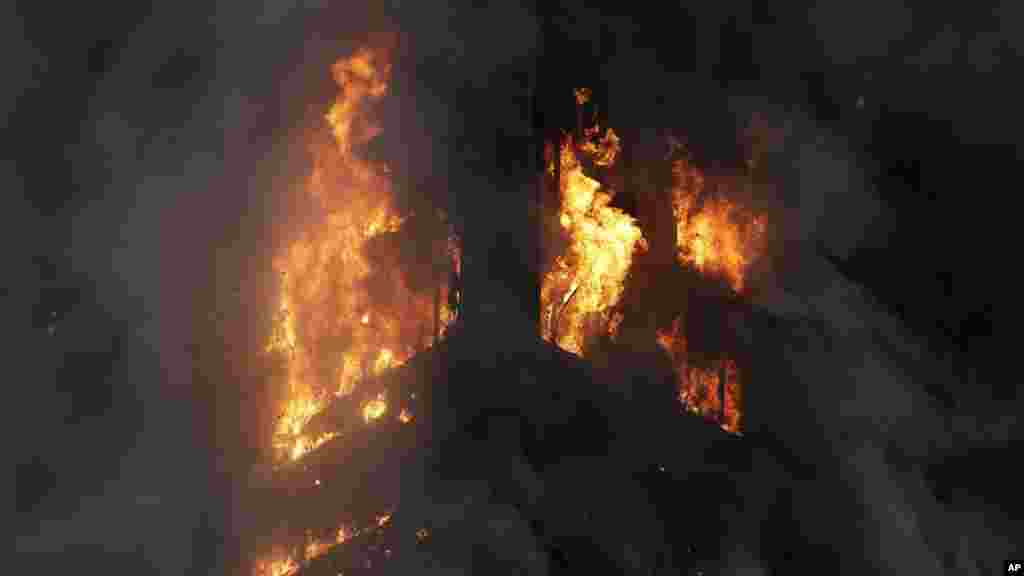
[(148, 146)]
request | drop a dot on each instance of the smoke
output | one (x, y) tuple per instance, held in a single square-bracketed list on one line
[(152, 211), (183, 163), (468, 530), (862, 372)]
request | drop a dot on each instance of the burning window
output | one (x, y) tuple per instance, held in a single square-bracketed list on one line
[(710, 391), (713, 235), (585, 282)]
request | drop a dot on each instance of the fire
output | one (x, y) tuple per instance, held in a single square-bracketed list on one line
[(602, 148), (303, 444), (405, 416), (699, 388), (332, 329), (713, 235), (375, 408), (287, 564), (316, 547), (277, 567), (584, 284)]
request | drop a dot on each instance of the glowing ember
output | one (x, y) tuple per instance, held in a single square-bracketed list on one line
[(699, 387), (613, 324), (375, 408), (713, 235), (277, 567), (332, 329), (303, 444), (602, 149), (287, 564), (405, 416), (583, 285)]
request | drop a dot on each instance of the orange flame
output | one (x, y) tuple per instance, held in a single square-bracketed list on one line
[(286, 566), (330, 328), (583, 285), (714, 236), (405, 416), (699, 387)]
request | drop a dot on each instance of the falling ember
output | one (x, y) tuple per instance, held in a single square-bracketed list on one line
[(331, 328), (713, 235), (405, 416), (699, 387), (583, 284)]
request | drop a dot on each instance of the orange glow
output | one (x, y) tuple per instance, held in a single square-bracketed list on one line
[(699, 387), (405, 416), (614, 323), (331, 328), (603, 149), (582, 285), (288, 564), (713, 235), (277, 567)]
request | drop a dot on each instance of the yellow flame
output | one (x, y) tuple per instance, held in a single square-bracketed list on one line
[(699, 387), (385, 359), (375, 408), (330, 328), (584, 283), (277, 567), (717, 237), (602, 149), (287, 565)]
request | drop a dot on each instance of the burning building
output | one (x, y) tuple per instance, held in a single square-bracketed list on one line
[(672, 293), (369, 382), (413, 425)]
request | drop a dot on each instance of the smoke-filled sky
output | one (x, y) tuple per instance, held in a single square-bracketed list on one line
[(152, 149)]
